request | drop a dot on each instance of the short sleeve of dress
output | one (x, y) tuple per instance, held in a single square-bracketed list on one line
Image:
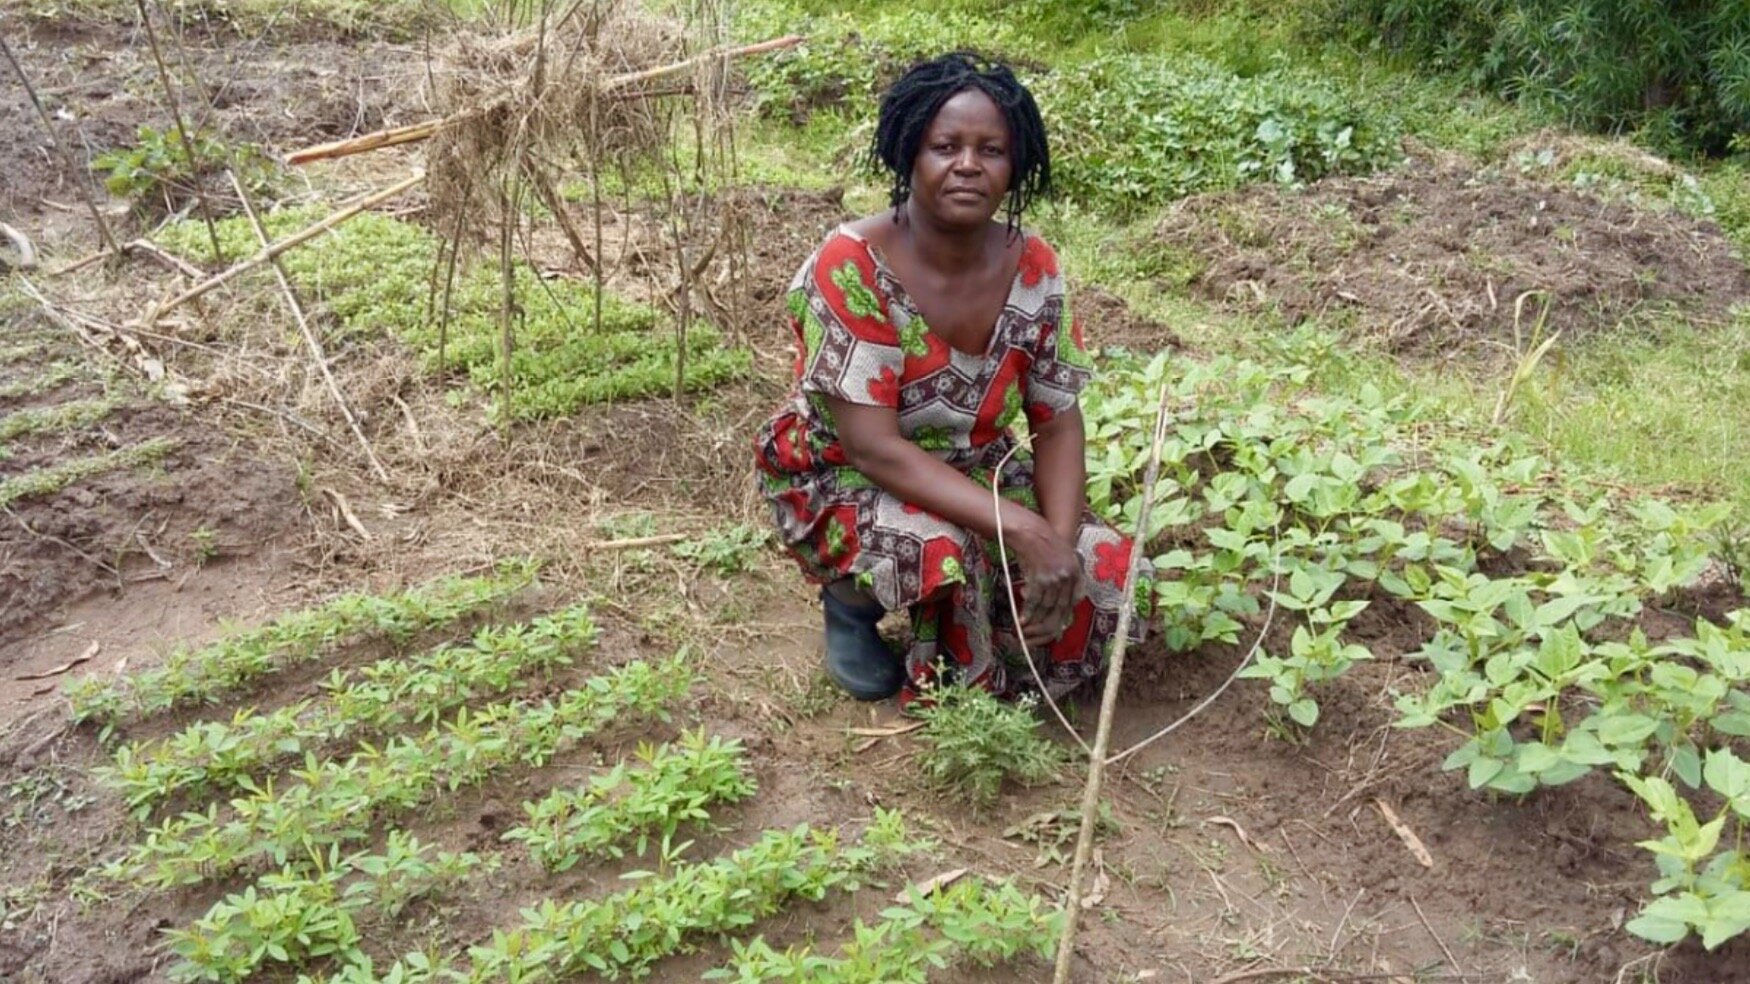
[(1061, 365), (850, 348)]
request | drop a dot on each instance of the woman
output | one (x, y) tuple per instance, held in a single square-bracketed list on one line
[(924, 335)]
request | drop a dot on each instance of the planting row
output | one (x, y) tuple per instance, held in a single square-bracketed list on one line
[(243, 658), (221, 755), (337, 803)]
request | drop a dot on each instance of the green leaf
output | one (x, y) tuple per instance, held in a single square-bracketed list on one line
[(1484, 770), (1304, 711), (1669, 919)]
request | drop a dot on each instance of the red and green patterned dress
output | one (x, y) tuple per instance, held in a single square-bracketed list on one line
[(861, 339)]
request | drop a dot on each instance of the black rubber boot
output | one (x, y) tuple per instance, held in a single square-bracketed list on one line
[(857, 658)]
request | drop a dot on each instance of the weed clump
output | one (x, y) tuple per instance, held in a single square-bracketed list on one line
[(973, 741)]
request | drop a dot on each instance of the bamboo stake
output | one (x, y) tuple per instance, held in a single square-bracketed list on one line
[(267, 253), (1109, 705), (175, 106), (415, 132), (74, 174), (310, 339)]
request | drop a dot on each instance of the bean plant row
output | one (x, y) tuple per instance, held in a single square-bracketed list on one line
[(673, 786), (215, 756), (340, 802), (207, 673), (624, 934), (1533, 585), (304, 913), (971, 921)]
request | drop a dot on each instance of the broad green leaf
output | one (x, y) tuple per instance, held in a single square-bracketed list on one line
[(1484, 770), (1304, 711), (1669, 919)]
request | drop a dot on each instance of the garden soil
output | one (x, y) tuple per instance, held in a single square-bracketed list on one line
[(1432, 258), (1234, 850)]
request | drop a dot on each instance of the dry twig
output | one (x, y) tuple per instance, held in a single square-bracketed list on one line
[(315, 344)]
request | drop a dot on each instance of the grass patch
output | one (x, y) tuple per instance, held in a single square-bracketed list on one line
[(53, 419), (41, 382), (375, 276), (45, 481)]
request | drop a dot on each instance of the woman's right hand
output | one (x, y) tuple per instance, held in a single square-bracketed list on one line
[(1053, 574)]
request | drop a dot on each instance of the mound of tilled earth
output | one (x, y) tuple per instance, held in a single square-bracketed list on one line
[(1431, 258), (201, 499)]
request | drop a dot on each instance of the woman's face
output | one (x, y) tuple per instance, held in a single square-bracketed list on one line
[(963, 166)]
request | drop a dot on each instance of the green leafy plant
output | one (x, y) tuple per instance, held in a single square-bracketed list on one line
[(54, 478), (337, 802), (625, 933), (673, 786), (296, 915), (156, 173), (1678, 72), (218, 755), (375, 274), (972, 921), (972, 742), (205, 674), (726, 551)]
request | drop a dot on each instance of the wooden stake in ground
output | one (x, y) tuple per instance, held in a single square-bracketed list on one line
[(1109, 705), (310, 339), (76, 175), (175, 107)]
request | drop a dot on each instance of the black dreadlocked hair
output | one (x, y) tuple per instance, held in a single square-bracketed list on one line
[(912, 102)]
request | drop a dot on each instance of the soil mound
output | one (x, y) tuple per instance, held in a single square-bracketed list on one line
[(1432, 257)]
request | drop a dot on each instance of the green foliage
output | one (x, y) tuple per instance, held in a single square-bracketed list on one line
[(1133, 130), (54, 478), (53, 419), (156, 173), (673, 787), (1129, 129), (39, 381), (626, 933), (973, 741), (1705, 883), (972, 921), (376, 276), (293, 915), (211, 756), (205, 674), (1680, 73), (1325, 505), (338, 802), (725, 551)]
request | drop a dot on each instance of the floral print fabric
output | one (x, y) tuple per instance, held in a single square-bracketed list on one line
[(861, 339)]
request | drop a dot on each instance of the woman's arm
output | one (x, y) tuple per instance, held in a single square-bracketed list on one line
[(1060, 471), (875, 447)]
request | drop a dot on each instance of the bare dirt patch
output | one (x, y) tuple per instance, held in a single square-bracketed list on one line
[(210, 499), (1431, 258)]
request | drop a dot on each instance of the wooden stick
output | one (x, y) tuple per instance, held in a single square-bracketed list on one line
[(269, 252), (310, 339), (175, 107), (1109, 704), (73, 174), (21, 242), (415, 132)]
